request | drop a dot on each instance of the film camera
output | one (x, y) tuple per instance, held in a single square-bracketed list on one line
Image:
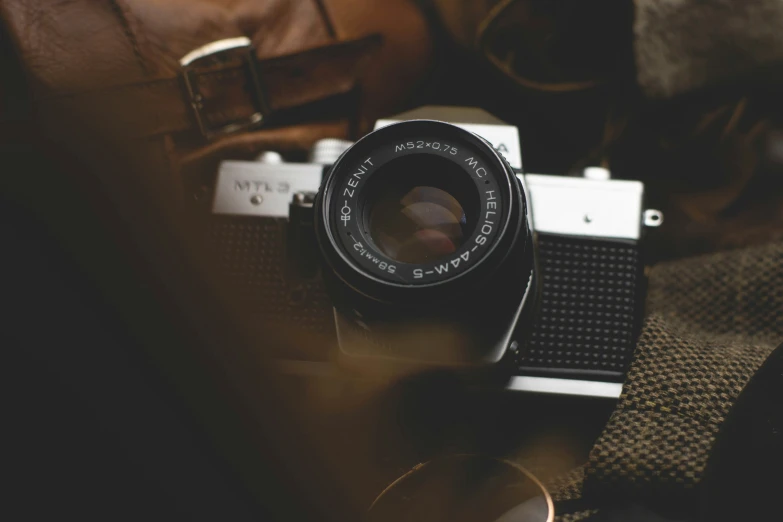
[(433, 247)]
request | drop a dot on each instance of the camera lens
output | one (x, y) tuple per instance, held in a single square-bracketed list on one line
[(420, 208), (416, 204), (426, 248)]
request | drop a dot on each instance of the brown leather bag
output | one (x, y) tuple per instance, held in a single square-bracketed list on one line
[(110, 74)]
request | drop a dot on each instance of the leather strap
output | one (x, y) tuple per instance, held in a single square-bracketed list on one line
[(287, 82)]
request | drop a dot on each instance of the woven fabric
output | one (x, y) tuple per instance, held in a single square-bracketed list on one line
[(567, 486), (576, 517), (711, 323)]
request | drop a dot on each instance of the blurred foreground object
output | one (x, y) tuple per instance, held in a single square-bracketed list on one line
[(464, 488), (95, 120)]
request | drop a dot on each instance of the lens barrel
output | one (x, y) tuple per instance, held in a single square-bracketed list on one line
[(424, 222)]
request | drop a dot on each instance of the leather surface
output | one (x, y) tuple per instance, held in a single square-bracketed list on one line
[(84, 45), (112, 68), (157, 107)]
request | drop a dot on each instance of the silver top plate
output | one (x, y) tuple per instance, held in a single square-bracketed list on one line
[(503, 137), (586, 207), (250, 188)]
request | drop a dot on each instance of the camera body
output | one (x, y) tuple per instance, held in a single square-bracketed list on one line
[(541, 274)]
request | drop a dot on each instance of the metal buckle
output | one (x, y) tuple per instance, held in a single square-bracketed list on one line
[(218, 52)]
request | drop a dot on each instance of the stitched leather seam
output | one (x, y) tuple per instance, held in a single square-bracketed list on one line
[(120, 12)]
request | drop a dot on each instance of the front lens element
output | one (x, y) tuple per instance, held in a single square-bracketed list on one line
[(421, 208), (423, 225)]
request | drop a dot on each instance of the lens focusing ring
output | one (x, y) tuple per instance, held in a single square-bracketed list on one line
[(498, 221)]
